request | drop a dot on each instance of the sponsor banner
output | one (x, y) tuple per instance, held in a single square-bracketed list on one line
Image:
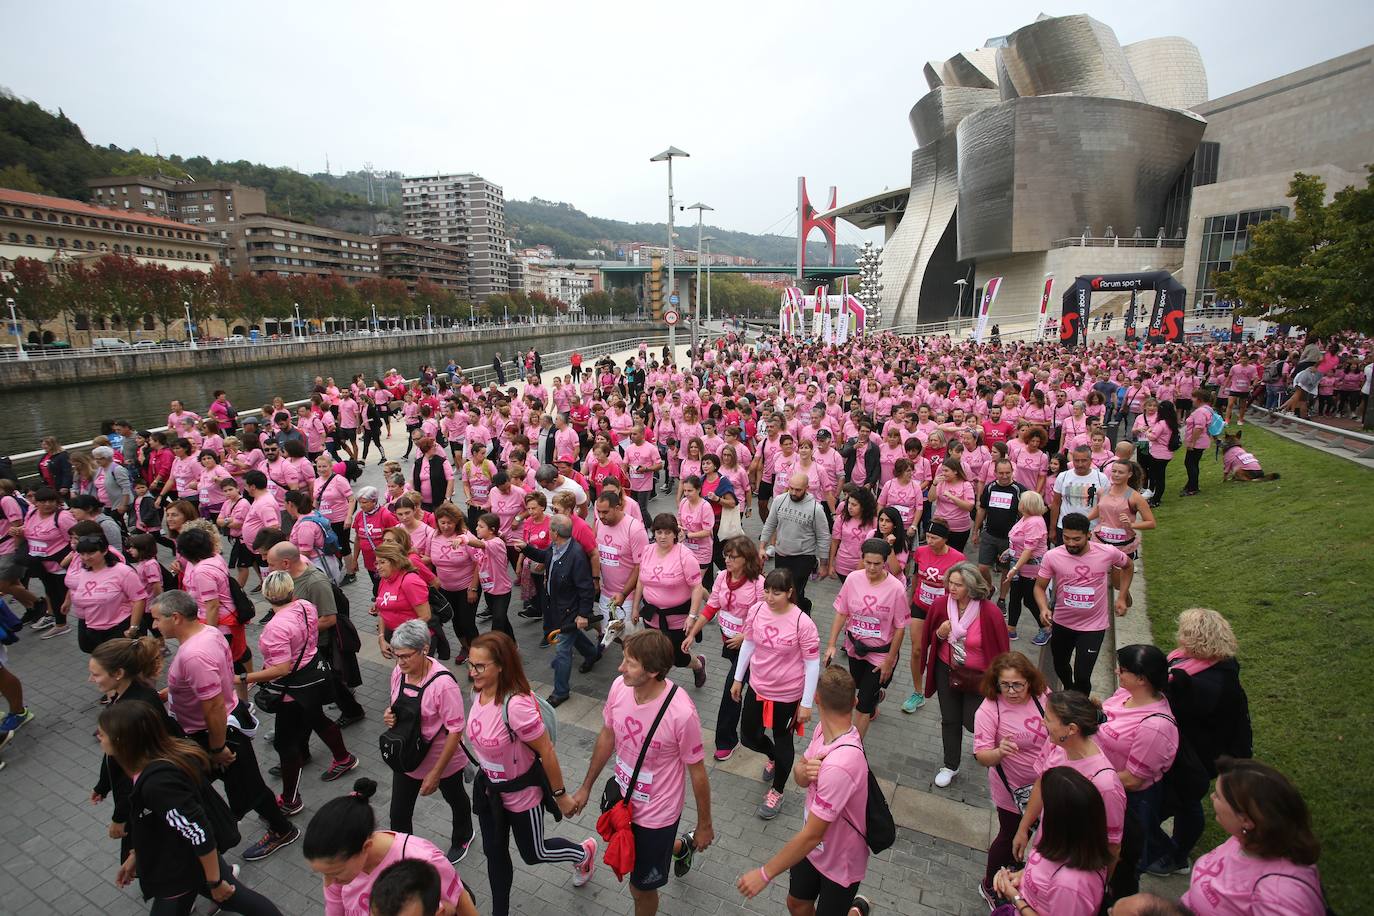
[(1045, 305), (989, 294)]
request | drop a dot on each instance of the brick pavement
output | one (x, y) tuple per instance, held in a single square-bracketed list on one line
[(59, 859)]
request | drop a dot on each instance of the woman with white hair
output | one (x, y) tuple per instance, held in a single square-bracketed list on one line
[(289, 643), (370, 521), (422, 688)]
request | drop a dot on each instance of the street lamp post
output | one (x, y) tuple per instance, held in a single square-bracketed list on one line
[(296, 328), (190, 327), (429, 317), (18, 335), (696, 296), (374, 318), (667, 156), (707, 240), (472, 314), (959, 306)]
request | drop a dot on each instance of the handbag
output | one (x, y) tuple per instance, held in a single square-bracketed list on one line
[(611, 794), (440, 609), (270, 695)]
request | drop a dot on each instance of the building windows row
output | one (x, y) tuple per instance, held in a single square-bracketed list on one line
[(93, 223), (1224, 238)]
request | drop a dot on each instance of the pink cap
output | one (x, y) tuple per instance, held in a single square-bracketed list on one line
[(564, 458)]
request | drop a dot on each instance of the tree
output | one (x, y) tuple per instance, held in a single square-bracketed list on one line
[(123, 289), (597, 303), (35, 296), (17, 177), (625, 302)]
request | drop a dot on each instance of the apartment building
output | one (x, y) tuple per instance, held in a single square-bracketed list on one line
[(198, 203), (256, 243), (414, 260), (466, 211)]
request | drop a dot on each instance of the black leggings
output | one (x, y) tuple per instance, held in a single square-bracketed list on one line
[(1022, 594), (244, 900), (1191, 459), (464, 614), (956, 715), (499, 606), (55, 590), (780, 748), (801, 567), (1156, 469), (528, 827), (404, 791), (372, 435), (295, 722), (1084, 646), (957, 539)]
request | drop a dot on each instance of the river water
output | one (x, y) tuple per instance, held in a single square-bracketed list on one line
[(74, 413)]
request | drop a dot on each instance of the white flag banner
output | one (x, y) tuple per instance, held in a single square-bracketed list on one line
[(989, 294)]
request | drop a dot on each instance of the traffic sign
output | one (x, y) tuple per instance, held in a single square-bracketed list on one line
[(673, 299), (670, 316)]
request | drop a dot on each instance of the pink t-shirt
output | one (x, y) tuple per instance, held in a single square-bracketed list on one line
[(839, 796), (331, 496), (370, 529), (104, 598), (506, 506), (500, 756), (1139, 739), (698, 518), (957, 518), (308, 537), (45, 534), (454, 562), (355, 897), (493, 569), (186, 472), (850, 534), (876, 613), (201, 669), (1053, 887), (638, 457), (668, 580), (1100, 772), (398, 596), (730, 601), (783, 643), (477, 483), (1237, 459), (441, 715), (208, 581), (1030, 532), (619, 546), (659, 792), (906, 498), (1226, 882), (1021, 722), (930, 575), (263, 513), (1028, 466), (292, 627), (1080, 584)]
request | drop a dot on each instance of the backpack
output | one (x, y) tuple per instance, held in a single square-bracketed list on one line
[(244, 608), (403, 746), (545, 712), (22, 503), (880, 829), (331, 539), (1217, 425)]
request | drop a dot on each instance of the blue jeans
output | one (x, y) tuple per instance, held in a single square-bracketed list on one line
[(1273, 396), (562, 658), (1145, 807)]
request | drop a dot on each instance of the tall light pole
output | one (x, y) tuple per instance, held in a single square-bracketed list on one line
[(296, 329), (190, 328), (18, 335), (707, 240), (696, 297), (959, 284), (374, 318), (667, 156), (429, 317)]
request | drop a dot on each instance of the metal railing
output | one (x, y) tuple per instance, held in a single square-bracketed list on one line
[(1362, 444), (480, 376), (1116, 242), (36, 352)]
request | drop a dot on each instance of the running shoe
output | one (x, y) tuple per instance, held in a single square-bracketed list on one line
[(723, 754), (270, 843), (771, 806), (1040, 638), (862, 904), (15, 720), (699, 674), (46, 622), (458, 852), (340, 767), (682, 861), (913, 702), (582, 872), (290, 807), (769, 768), (988, 896), (344, 721), (1168, 865), (945, 777), (349, 579), (1012, 634), (62, 630), (5, 738)]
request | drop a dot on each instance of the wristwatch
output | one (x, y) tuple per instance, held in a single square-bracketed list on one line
[(211, 885), (559, 793)]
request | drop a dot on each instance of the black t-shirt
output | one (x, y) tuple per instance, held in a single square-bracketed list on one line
[(1000, 505)]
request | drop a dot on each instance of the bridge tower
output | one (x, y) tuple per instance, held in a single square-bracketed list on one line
[(807, 220)]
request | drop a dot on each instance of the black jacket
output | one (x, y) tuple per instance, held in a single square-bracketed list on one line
[(113, 780), (1213, 712), (871, 466), (171, 828), (60, 467), (569, 591)]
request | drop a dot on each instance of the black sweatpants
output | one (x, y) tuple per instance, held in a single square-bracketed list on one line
[(243, 783), (779, 748), (406, 789), (528, 827), (244, 900), (1084, 646), (801, 567), (1022, 594), (1191, 460)]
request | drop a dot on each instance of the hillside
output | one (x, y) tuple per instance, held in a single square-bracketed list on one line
[(571, 233), (47, 153)]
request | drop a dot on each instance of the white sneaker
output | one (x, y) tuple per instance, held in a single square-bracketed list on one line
[(46, 622), (945, 777), (1147, 493)]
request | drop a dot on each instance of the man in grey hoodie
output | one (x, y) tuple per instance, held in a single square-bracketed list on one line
[(797, 532)]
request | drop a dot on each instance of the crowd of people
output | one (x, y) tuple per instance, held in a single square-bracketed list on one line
[(950, 488)]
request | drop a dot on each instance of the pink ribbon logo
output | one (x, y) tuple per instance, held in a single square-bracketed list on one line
[(88, 588), (658, 571), (870, 602), (633, 728), (1036, 726), (770, 633), (1084, 574), (607, 539)]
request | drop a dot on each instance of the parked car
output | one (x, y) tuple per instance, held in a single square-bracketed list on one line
[(110, 343), (237, 339), (144, 345)]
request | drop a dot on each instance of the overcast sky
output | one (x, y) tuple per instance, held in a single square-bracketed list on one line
[(567, 101)]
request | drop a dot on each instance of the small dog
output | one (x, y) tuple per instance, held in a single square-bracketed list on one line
[(1238, 464)]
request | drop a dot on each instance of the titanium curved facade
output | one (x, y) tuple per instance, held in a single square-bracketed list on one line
[(1031, 139)]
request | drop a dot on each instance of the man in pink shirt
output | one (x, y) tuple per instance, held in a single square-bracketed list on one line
[(200, 690), (264, 513), (642, 461), (828, 857), (620, 542), (644, 706), (1081, 571), (871, 611)]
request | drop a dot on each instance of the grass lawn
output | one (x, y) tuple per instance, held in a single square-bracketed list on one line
[(1291, 565)]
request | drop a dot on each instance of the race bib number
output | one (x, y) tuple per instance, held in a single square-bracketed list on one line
[(869, 628), (905, 512), (999, 499), (487, 581), (1079, 597), (730, 625), (480, 488), (644, 786), (610, 556), (37, 547), (929, 593), (496, 772), (1113, 535)]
